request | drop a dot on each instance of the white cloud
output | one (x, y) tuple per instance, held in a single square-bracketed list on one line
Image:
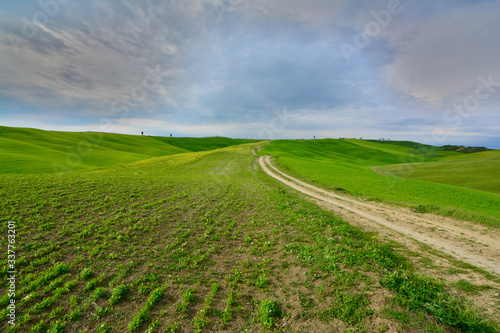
[(440, 57), (78, 59)]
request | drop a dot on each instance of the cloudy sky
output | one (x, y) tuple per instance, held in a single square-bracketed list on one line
[(426, 71)]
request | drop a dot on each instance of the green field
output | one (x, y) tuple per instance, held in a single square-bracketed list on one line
[(206, 241), (348, 166), (26, 150), (479, 171), (202, 144)]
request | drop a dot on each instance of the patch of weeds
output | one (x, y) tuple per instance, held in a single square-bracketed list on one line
[(73, 301), (200, 321), (418, 292), (101, 312), (117, 294), (99, 293), (321, 290), (144, 312), (94, 282), (39, 327), (138, 319), (75, 314), (262, 281), (55, 312), (57, 326), (469, 288), (455, 270), (306, 302), (187, 298), (269, 311), (382, 327), (235, 278), (155, 323), (86, 274), (410, 321), (227, 313), (143, 289), (172, 328), (425, 260), (45, 304), (104, 328), (349, 307), (425, 209)]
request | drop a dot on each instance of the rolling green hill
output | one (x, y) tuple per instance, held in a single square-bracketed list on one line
[(202, 144), (480, 171), (25, 150), (350, 165)]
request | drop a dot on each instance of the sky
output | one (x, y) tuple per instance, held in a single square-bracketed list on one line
[(425, 71)]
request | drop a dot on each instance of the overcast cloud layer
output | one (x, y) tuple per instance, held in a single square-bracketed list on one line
[(416, 70)]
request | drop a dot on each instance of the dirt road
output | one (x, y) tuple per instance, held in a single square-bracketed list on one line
[(465, 241)]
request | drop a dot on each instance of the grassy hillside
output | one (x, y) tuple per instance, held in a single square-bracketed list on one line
[(480, 171), (203, 144), (346, 165), (25, 150), (199, 242)]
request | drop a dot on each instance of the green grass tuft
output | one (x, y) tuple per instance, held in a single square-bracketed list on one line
[(269, 311), (417, 292), (117, 294)]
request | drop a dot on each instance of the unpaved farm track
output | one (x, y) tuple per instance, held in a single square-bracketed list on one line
[(465, 241)]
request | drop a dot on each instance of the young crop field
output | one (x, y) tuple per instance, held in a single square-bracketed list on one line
[(361, 168), (206, 241)]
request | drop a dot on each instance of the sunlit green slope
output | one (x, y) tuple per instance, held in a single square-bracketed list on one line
[(480, 171), (25, 150)]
